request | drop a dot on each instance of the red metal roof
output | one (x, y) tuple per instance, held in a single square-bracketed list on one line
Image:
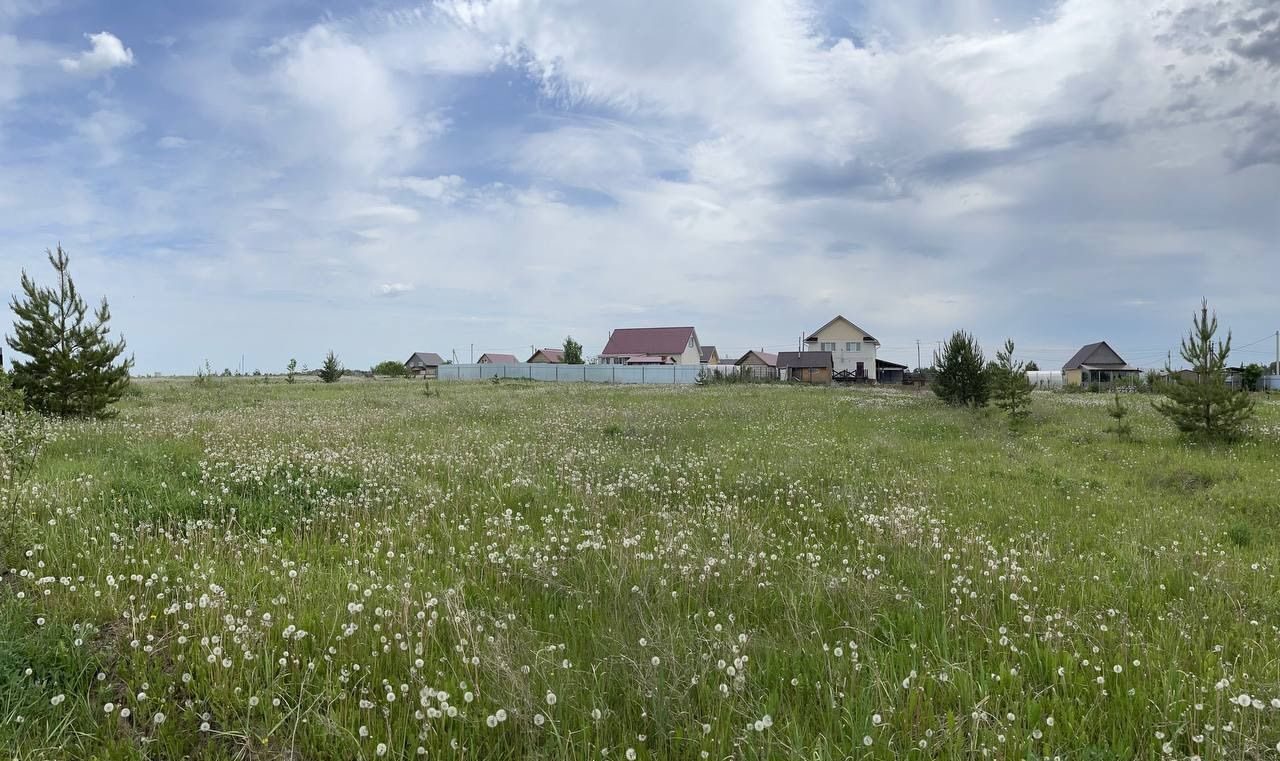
[(635, 341), (498, 359), (553, 355)]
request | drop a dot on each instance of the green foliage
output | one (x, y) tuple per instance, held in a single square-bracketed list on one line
[(1206, 406), (960, 377), (1119, 414), (572, 351), (291, 371), (1031, 367), (1252, 375), (391, 369), (332, 369), (74, 369), (1012, 390)]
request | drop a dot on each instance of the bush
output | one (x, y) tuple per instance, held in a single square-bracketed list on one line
[(1012, 389), (391, 369), (961, 378), (572, 351)]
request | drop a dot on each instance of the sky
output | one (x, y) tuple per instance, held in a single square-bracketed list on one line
[(253, 180)]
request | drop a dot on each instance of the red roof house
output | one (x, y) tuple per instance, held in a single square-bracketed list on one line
[(679, 345)]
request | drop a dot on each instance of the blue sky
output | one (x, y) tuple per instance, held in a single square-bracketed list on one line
[(274, 179)]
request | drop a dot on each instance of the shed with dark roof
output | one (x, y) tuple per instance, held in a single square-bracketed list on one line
[(805, 366)]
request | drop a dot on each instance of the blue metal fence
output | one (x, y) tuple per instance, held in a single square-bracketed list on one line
[(626, 374)]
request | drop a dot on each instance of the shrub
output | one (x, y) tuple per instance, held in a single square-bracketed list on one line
[(391, 369), (572, 351), (291, 371), (1119, 413), (1251, 376), (961, 379)]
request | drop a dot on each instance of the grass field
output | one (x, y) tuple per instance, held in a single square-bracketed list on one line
[(513, 571)]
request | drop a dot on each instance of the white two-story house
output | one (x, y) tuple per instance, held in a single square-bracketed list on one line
[(852, 348)]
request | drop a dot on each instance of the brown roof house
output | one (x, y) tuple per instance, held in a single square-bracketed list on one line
[(547, 357), (805, 366), (710, 356), (676, 346), (761, 364), (492, 358), (424, 364), (1097, 363)]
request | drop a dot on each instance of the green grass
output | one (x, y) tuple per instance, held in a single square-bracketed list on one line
[(686, 561)]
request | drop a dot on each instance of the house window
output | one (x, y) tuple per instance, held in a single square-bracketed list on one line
[(853, 346), (827, 346)]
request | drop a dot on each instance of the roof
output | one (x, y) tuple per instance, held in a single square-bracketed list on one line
[(499, 359), (649, 359), (707, 351), (890, 365), (424, 359), (841, 318), (636, 341), (1097, 354), (804, 359), (552, 355), (768, 358)]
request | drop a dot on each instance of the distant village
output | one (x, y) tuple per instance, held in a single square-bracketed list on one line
[(837, 352)]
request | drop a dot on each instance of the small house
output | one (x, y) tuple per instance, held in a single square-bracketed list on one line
[(679, 346), (805, 366), (492, 358), (424, 364), (547, 357), (710, 356), (760, 364), (1097, 363)]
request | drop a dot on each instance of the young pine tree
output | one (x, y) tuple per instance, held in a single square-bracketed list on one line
[(291, 371), (74, 369), (1012, 389), (572, 351), (1120, 414), (1205, 406), (960, 376), (332, 369)]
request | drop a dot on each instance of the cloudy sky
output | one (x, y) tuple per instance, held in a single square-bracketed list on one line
[(272, 178)]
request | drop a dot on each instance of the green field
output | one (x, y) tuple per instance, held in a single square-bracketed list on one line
[(518, 570)]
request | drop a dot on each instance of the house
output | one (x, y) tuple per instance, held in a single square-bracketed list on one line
[(1097, 363), (547, 357), (424, 364), (761, 364), (890, 372), (851, 348), (492, 358), (710, 356), (679, 345), (805, 366)]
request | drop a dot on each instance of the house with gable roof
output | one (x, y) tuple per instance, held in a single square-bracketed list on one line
[(668, 346), (1097, 363), (853, 350)]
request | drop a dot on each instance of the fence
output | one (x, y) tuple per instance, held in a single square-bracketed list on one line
[(1270, 382), (669, 375)]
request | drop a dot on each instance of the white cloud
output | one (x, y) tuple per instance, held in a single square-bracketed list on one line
[(392, 290), (106, 52), (173, 142), (445, 188)]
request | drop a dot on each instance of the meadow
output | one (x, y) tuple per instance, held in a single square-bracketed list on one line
[(240, 570)]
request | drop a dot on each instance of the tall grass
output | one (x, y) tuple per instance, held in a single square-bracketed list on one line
[(520, 571)]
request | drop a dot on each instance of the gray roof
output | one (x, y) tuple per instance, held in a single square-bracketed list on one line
[(424, 359), (804, 359), (1097, 355)]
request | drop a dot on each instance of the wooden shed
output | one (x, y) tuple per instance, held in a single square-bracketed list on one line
[(805, 366)]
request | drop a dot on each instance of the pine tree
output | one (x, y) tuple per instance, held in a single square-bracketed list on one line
[(572, 351), (1012, 389), (331, 370), (74, 368), (1119, 413), (961, 377), (1205, 406)]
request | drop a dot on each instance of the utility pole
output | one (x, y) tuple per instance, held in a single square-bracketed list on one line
[(473, 354), (918, 365)]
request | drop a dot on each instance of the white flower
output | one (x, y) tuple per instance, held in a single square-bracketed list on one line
[(158, 718), (866, 740), (631, 754), (876, 719), (381, 750), (108, 708), (551, 698)]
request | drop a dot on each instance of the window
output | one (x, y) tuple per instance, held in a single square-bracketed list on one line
[(827, 346), (853, 346)]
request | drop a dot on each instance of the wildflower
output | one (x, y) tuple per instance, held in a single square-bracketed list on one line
[(381, 750), (876, 719), (108, 707), (551, 698), (158, 718), (631, 754), (866, 740)]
